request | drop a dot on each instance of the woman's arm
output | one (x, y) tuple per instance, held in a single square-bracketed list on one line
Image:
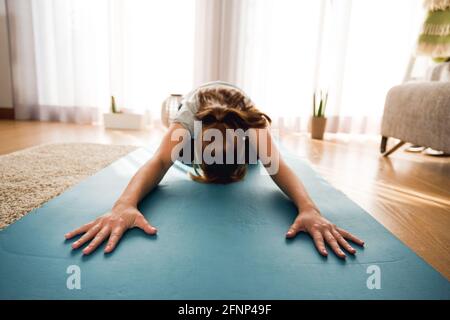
[(151, 173), (124, 214), (309, 218)]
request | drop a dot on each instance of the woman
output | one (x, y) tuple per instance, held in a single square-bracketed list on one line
[(218, 106)]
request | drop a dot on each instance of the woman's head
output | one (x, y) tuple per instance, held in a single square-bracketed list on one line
[(221, 109)]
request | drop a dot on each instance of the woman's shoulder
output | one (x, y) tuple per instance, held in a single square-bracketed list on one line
[(221, 84), (218, 83), (190, 100)]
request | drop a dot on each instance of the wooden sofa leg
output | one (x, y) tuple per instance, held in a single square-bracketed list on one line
[(394, 148), (383, 144)]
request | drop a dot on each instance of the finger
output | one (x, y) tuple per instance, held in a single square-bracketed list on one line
[(116, 234), (319, 243), (295, 228), (78, 231), (143, 224), (347, 235), (340, 239), (87, 236), (334, 244), (99, 238)]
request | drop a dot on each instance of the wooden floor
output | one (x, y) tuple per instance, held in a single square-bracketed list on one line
[(408, 193)]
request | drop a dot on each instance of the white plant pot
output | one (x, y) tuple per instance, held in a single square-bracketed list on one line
[(124, 121)]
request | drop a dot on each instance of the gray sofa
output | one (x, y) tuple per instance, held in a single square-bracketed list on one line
[(419, 112)]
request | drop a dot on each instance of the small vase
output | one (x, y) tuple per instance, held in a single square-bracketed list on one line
[(169, 108), (318, 127)]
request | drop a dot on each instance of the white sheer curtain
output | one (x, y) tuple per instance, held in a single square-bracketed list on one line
[(70, 56), (152, 51), (377, 41), (268, 48), (280, 50)]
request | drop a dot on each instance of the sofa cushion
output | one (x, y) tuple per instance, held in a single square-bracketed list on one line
[(419, 113)]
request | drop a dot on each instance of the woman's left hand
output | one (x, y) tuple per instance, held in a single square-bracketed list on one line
[(322, 230)]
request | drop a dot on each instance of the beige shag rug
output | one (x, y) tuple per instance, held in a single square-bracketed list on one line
[(31, 177)]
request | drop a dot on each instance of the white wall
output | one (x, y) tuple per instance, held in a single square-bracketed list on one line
[(5, 66)]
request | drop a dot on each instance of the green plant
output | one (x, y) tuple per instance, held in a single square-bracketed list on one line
[(320, 99), (113, 105)]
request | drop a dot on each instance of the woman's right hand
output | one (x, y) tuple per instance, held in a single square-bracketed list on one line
[(113, 225)]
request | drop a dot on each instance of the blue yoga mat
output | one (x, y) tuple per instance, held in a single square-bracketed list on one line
[(214, 242)]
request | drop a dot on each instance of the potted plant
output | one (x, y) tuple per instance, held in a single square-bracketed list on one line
[(117, 119), (318, 119)]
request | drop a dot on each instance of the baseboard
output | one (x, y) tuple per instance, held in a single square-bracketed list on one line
[(6, 113)]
